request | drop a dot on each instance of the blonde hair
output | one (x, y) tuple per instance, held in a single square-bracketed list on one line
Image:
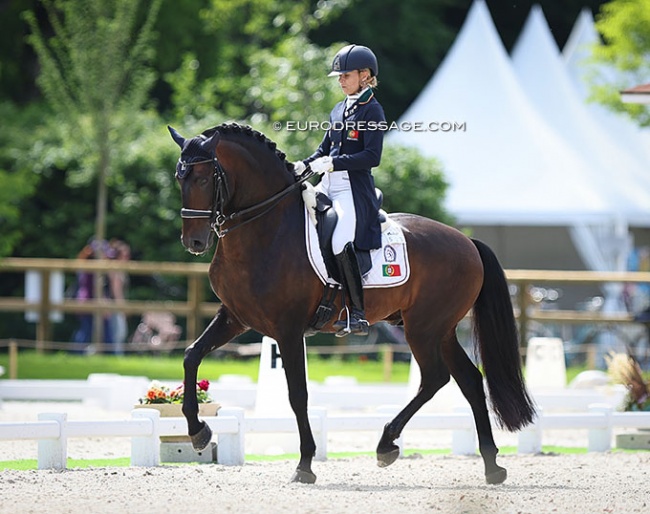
[(372, 81)]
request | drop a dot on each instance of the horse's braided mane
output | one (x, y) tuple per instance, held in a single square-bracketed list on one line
[(236, 128)]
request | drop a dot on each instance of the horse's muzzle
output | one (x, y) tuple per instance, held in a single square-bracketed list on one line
[(197, 245)]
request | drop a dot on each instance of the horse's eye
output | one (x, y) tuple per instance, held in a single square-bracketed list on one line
[(203, 182)]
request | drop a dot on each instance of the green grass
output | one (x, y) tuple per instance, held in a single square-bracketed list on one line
[(62, 365), (29, 464)]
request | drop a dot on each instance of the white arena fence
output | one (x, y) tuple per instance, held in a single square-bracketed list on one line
[(52, 431), (589, 409)]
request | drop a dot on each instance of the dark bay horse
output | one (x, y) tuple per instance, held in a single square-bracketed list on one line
[(235, 183)]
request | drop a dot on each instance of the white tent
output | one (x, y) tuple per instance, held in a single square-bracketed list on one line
[(509, 167), (613, 169), (528, 189)]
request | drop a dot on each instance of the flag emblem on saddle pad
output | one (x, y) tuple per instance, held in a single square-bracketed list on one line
[(353, 135), (391, 270)]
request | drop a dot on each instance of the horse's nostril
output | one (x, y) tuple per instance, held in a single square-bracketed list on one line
[(197, 245)]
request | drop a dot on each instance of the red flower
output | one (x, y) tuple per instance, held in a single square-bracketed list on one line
[(203, 385)]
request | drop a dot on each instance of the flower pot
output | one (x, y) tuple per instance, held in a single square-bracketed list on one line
[(174, 410), (639, 440)]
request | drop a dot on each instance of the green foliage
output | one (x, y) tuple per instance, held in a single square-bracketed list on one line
[(412, 183), (217, 76), (409, 38), (143, 202), (305, 94), (94, 64), (623, 56), (17, 181), (95, 76)]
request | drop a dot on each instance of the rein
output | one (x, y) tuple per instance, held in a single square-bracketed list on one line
[(221, 194)]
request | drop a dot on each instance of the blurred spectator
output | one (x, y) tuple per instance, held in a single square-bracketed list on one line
[(84, 291), (118, 284)]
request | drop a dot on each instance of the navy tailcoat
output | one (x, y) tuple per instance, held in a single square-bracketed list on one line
[(355, 142)]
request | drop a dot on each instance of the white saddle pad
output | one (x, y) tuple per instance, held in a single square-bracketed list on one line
[(390, 265)]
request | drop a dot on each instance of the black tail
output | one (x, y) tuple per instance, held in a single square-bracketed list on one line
[(495, 334)]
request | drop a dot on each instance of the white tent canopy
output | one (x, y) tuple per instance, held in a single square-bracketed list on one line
[(509, 167), (614, 171)]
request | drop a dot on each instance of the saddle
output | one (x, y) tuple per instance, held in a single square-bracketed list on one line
[(326, 220)]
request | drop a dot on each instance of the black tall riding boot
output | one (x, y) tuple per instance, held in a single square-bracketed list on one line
[(351, 280)]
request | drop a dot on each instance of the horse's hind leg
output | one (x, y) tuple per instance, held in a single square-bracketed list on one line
[(434, 376), (470, 382), (220, 330)]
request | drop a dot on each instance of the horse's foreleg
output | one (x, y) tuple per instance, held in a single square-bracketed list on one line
[(470, 382), (293, 358), (220, 330), (434, 376)]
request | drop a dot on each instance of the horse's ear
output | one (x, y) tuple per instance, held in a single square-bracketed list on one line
[(180, 140), (210, 144)]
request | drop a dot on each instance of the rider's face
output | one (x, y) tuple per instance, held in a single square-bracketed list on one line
[(352, 81)]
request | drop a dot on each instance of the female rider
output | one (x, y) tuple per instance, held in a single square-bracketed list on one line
[(348, 151)]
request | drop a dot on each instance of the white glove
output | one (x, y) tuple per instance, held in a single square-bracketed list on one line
[(298, 167), (322, 165)]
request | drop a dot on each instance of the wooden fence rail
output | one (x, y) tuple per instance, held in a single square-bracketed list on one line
[(196, 309)]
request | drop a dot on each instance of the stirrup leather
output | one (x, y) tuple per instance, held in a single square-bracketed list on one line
[(355, 322)]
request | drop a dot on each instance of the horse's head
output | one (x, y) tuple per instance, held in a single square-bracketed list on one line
[(258, 178), (203, 189)]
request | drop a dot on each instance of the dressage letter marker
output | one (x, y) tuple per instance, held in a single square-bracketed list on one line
[(272, 399), (275, 356)]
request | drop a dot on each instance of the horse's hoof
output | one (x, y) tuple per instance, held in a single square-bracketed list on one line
[(385, 459), (496, 477), (303, 477), (202, 438)]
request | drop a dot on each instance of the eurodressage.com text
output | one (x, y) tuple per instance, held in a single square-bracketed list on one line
[(402, 126)]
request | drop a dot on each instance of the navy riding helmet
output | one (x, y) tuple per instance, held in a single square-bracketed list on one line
[(354, 57)]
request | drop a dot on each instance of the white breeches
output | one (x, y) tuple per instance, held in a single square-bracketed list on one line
[(336, 185)]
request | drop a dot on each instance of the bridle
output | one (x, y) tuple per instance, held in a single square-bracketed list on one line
[(221, 196)]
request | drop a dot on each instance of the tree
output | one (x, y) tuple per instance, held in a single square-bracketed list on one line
[(412, 183), (409, 38), (94, 73), (289, 90), (622, 59), (16, 182), (94, 68)]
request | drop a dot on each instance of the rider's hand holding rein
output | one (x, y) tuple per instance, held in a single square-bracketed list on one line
[(319, 166), (322, 165)]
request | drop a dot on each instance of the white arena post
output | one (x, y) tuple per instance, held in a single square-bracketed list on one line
[(53, 453), (145, 450), (272, 400), (530, 437), (545, 363), (231, 447), (320, 432), (600, 439), (463, 440)]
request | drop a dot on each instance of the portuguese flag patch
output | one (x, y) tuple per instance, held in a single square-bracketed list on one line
[(353, 135), (391, 270)]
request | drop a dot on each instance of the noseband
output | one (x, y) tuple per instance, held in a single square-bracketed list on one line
[(221, 196)]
